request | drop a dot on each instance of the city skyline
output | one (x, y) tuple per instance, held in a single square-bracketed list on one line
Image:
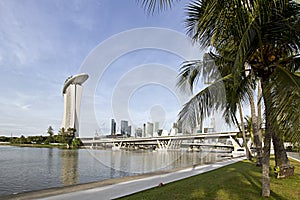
[(146, 129), (45, 42), (123, 128)]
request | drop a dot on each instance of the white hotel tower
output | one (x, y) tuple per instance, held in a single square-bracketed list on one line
[(72, 92)]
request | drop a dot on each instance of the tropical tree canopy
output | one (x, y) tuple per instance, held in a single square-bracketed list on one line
[(248, 41), (262, 35)]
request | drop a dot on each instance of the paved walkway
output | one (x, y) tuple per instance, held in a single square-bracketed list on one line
[(294, 155), (133, 186)]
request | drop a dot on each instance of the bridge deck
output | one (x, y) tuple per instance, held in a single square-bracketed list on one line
[(208, 145), (155, 139)]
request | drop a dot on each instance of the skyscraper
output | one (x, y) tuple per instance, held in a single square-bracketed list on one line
[(156, 127), (72, 91), (124, 127), (113, 127), (138, 132), (128, 131), (144, 130), (149, 129)]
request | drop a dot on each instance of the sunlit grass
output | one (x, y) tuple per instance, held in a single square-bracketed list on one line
[(241, 180)]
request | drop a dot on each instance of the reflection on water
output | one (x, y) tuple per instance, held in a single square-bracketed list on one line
[(69, 167), (138, 162), (26, 169)]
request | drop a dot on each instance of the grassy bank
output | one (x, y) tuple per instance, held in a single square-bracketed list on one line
[(241, 180)]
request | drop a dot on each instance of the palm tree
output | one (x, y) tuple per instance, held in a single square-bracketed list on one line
[(266, 36)]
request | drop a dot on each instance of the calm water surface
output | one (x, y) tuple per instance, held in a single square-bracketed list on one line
[(27, 169)]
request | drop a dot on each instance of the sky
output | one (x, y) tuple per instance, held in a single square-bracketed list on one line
[(132, 59)]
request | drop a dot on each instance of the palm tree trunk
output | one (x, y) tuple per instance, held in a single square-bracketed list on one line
[(267, 142), (284, 169), (248, 155), (257, 140), (281, 158), (259, 132)]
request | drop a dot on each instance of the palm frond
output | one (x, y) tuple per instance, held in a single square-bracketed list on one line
[(193, 71), (286, 103), (189, 74), (156, 5), (203, 104)]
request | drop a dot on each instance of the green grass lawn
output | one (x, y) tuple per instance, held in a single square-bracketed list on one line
[(241, 180)]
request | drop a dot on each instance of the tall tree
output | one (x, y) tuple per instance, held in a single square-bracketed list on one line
[(263, 34), (50, 131), (50, 138)]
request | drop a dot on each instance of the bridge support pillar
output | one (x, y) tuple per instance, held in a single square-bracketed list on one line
[(164, 145), (116, 146)]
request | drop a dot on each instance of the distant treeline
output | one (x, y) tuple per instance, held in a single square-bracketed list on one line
[(33, 139), (64, 137)]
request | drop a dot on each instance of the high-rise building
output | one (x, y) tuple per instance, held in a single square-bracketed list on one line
[(144, 130), (128, 131), (156, 127), (113, 127), (138, 132), (174, 129), (125, 129), (149, 129), (72, 91)]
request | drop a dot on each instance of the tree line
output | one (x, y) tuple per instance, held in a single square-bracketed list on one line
[(63, 137)]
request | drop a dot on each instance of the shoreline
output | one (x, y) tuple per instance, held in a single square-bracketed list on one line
[(35, 145), (96, 185), (44, 193)]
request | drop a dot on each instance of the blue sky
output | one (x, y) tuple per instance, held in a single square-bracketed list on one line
[(45, 41)]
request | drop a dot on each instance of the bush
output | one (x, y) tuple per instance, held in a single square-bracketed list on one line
[(76, 143)]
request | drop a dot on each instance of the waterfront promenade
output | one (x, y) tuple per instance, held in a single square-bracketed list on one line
[(111, 189), (294, 155)]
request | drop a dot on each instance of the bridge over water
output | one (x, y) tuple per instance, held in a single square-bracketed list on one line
[(217, 140)]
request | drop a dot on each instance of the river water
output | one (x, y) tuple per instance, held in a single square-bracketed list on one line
[(25, 169)]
